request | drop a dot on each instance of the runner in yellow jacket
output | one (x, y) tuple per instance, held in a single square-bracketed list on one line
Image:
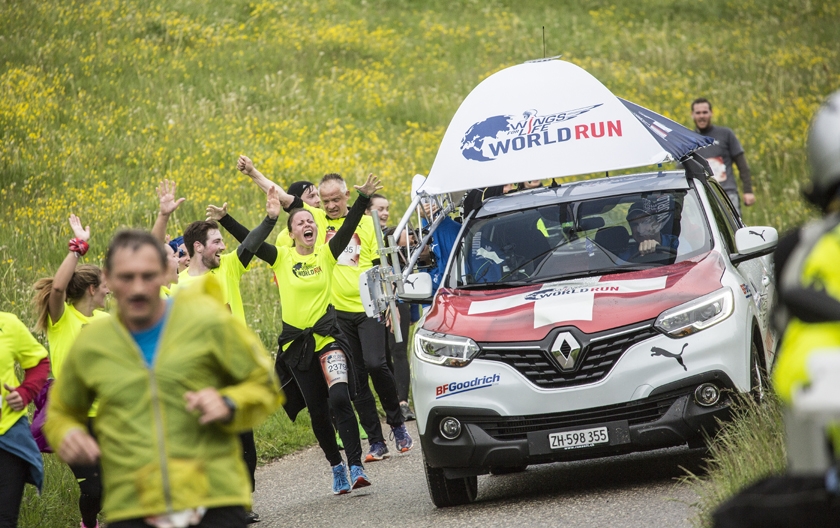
[(806, 263), (177, 379)]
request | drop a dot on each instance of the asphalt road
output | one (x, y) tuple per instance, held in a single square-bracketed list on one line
[(633, 490)]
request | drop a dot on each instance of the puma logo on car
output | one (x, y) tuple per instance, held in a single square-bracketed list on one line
[(758, 234), (656, 351)]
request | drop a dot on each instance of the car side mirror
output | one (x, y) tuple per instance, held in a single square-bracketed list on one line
[(417, 287), (755, 241)]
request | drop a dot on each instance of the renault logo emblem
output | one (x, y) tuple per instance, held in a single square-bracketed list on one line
[(565, 350)]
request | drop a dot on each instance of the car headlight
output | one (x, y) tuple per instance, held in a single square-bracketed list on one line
[(697, 315), (442, 349)]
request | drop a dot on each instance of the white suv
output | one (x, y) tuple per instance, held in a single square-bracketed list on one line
[(557, 335)]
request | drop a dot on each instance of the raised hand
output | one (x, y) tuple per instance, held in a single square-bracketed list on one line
[(370, 186), (245, 165), (216, 213), (272, 203), (166, 195), (78, 232)]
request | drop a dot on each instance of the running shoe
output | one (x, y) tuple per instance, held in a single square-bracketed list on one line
[(408, 414), (252, 517), (340, 484), (378, 451), (358, 477), (402, 438)]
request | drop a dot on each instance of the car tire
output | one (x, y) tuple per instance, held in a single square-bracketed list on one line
[(759, 382), (450, 492)]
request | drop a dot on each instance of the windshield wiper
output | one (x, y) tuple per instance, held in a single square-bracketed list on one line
[(483, 285), (588, 273)]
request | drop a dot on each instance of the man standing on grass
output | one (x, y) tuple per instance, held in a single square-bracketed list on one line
[(176, 379), (722, 153)]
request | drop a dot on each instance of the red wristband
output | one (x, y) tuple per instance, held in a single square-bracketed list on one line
[(78, 246)]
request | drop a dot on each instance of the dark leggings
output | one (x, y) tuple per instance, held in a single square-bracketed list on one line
[(324, 402), (367, 350), (249, 455), (12, 481), (90, 488), (225, 517), (398, 353)]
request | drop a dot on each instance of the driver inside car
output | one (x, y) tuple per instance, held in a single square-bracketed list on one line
[(650, 221)]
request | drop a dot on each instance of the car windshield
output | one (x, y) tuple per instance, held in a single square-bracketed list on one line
[(584, 238)]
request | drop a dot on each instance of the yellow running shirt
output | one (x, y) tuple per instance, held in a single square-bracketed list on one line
[(356, 258), (228, 273), (304, 282), (16, 345), (62, 334)]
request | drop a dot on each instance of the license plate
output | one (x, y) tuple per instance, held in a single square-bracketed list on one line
[(579, 438)]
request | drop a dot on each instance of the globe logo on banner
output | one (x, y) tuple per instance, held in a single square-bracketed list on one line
[(499, 135)]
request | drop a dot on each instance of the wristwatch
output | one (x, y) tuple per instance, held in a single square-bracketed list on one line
[(230, 405)]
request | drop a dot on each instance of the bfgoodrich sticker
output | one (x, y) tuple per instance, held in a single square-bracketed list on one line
[(457, 387)]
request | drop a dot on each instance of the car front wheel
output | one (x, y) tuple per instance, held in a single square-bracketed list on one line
[(450, 492), (758, 375)]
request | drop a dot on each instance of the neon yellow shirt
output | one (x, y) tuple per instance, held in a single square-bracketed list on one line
[(16, 345), (62, 334), (800, 338), (228, 274), (541, 227), (357, 258), (304, 282)]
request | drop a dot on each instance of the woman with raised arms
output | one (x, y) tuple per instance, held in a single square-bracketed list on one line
[(65, 303), (311, 362)]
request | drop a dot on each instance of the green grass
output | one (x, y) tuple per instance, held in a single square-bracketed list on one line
[(101, 99), (58, 504), (747, 448)]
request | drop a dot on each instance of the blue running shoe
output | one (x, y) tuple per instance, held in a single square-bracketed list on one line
[(358, 477), (402, 438), (378, 451), (340, 484)]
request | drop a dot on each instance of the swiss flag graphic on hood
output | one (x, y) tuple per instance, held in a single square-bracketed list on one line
[(592, 304)]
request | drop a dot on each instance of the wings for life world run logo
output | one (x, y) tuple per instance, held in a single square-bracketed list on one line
[(502, 134), (302, 270)]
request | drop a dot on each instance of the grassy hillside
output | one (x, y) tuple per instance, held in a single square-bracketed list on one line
[(101, 99)]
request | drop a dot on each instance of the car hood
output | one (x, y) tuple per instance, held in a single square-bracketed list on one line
[(592, 304)]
